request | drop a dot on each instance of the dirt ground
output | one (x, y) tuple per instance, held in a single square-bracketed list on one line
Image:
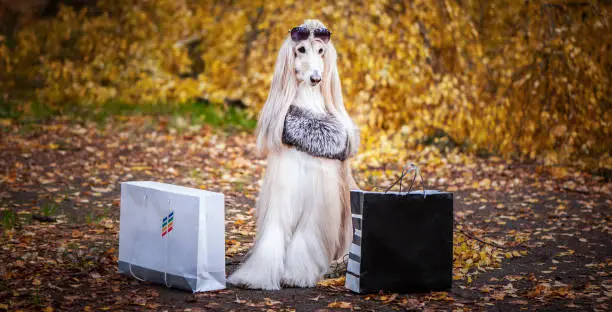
[(59, 195)]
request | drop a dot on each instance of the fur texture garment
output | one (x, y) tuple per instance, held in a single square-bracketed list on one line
[(319, 135)]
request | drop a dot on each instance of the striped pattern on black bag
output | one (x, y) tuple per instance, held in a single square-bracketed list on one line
[(354, 261)]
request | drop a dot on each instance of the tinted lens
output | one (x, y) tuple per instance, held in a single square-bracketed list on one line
[(299, 33), (322, 34)]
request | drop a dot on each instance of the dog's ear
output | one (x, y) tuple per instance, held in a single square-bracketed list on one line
[(332, 88), (282, 91), (332, 93)]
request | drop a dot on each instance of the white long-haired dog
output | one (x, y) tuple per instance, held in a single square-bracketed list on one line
[(303, 210)]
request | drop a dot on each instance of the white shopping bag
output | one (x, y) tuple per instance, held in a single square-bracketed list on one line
[(172, 235)]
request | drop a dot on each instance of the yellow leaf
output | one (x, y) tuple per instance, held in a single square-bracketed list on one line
[(76, 234), (560, 130), (140, 168), (340, 305), (485, 183), (332, 281)]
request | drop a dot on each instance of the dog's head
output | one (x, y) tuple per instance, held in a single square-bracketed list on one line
[(307, 56), (309, 46)]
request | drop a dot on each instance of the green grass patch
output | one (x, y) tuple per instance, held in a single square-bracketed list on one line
[(216, 115), (93, 218), (187, 114), (27, 111), (49, 209), (9, 219)]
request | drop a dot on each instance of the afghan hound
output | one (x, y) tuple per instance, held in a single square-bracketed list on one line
[(303, 210)]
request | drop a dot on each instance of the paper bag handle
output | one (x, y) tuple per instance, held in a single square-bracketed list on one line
[(411, 167), (132, 253)]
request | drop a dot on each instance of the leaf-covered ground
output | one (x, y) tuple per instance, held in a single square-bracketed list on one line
[(59, 201)]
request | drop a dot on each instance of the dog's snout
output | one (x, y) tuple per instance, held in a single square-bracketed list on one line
[(315, 78)]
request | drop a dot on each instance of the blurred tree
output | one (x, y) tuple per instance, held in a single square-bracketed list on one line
[(527, 79)]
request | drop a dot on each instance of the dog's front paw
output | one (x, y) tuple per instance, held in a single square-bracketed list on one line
[(252, 281), (302, 281), (303, 274)]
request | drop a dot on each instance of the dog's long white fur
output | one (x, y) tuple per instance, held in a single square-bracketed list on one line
[(303, 212)]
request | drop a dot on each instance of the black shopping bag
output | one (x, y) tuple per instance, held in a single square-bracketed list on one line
[(402, 241)]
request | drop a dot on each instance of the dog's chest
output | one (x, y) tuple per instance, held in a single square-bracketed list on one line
[(311, 99)]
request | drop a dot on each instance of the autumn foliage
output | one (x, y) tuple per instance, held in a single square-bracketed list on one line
[(528, 79)]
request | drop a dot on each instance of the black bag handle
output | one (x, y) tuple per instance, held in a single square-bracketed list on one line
[(411, 167)]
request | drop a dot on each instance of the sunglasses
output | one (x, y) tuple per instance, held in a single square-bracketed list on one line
[(300, 33)]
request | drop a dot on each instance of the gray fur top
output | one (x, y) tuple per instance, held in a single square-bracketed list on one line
[(320, 135)]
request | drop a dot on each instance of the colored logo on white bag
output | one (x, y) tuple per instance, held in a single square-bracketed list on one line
[(168, 224)]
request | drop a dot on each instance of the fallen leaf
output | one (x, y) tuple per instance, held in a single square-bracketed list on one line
[(498, 295), (102, 189), (332, 281), (76, 234), (340, 305)]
